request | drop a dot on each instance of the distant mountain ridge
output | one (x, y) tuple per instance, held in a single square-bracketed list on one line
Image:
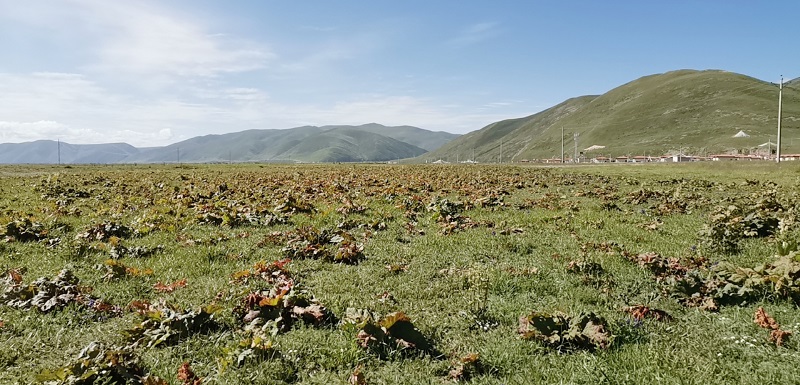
[(691, 111), (366, 143)]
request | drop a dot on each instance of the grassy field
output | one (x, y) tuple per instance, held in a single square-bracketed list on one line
[(375, 274)]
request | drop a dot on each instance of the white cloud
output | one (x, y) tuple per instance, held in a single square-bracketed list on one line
[(150, 40), (139, 37), (151, 76), (77, 110), (474, 34)]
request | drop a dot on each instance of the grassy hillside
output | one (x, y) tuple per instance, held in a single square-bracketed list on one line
[(47, 151), (697, 111), (250, 145), (428, 140), (348, 144), (366, 143), (515, 134)]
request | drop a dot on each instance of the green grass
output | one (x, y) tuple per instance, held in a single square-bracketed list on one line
[(464, 291)]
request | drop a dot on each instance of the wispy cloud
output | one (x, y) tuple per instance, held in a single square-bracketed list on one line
[(148, 75), (474, 34), (75, 109), (150, 40), (142, 38)]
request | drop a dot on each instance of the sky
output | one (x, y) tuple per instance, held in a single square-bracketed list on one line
[(151, 73)]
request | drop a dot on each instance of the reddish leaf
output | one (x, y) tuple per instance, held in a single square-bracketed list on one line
[(187, 376), (761, 318), (778, 336), (142, 307), (15, 275), (640, 312), (162, 288)]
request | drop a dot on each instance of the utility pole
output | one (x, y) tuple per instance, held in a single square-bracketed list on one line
[(562, 144), (501, 150), (59, 151), (780, 103), (575, 157)]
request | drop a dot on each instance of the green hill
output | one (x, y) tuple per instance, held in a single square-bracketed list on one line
[(350, 144), (51, 151), (428, 140), (300, 144), (692, 111)]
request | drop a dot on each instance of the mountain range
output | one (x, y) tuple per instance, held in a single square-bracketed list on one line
[(681, 111), (365, 143), (688, 111)]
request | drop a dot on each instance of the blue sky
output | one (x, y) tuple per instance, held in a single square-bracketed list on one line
[(156, 72)]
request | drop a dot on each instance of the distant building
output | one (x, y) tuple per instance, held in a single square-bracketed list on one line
[(681, 158)]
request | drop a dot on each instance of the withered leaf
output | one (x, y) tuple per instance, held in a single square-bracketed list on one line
[(162, 288), (640, 312), (466, 367), (776, 335), (313, 313), (779, 336), (357, 378), (187, 376), (761, 318)]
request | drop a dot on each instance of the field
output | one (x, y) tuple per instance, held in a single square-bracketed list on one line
[(377, 274)]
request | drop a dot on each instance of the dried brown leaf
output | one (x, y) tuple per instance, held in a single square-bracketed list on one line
[(640, 312), (357, 378), (761, 318), (779, 336), (15, 275), (187, 376), (163, 288), (313, 313), (153, 380)]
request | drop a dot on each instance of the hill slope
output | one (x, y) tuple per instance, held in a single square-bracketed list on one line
[(350, 144), (428, 140), (243, 146), (696, 111), (302, 144), (368, 143), (47, 151)]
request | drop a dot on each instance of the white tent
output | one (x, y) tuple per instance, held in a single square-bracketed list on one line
[(741, 134), (595, 147)]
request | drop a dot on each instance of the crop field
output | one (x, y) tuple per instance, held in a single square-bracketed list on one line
[(379, 274)]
